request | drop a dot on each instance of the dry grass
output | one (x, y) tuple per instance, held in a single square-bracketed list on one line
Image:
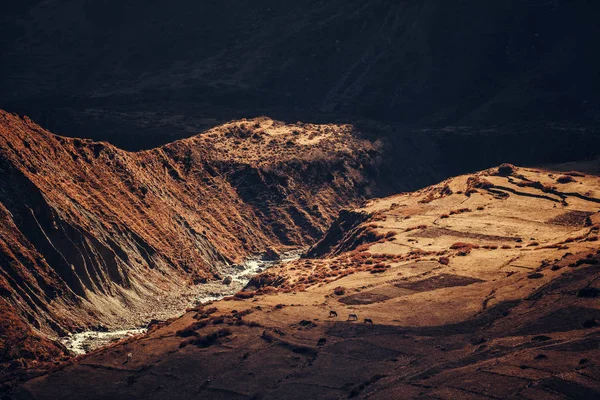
[(414, 228)]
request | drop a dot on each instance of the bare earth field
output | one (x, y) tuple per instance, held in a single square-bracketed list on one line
[(483, 286)]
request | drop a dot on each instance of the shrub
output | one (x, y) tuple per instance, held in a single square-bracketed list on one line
[(244, 295), (208, 340), (191, 330), (339, 291), (490, 247), (413, 228), (460, 211), (565, 179), (462, 245), (506, 170), (479, 183), (444, 260), (360, 257), (463, 248), (206, 313), (363, 247)]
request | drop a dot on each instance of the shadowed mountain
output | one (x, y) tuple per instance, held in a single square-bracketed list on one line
[(165, 71)]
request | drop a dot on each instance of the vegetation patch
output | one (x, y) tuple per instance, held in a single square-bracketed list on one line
[(207, 340), (438, 282), (571, 218)]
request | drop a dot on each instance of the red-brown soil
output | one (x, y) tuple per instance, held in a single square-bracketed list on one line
[(91, 234), (501, 303)]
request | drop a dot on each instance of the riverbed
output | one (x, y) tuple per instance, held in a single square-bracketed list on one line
[(239, 274)]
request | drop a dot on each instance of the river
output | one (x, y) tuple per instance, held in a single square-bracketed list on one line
[(84, 342)]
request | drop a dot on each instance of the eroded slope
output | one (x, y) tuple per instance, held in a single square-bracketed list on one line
[(93, 234)]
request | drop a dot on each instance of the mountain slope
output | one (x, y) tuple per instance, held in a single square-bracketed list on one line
[(87, 68), (482, 286), (92, 234)]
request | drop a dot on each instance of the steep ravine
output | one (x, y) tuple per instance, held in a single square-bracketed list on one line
[(92, 234)]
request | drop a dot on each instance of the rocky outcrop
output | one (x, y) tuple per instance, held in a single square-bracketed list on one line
[(341, 236)]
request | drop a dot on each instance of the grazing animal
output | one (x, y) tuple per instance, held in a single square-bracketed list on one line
[(352, 317), (368, 321), (332, 314), (322, 342)]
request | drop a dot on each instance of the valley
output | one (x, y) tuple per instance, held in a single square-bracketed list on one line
[(483, 285), (96, 236), (338, 199), (236, 278)]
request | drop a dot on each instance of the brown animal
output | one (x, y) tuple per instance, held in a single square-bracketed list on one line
[(352, 317), (332, 314), (368, 321)]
